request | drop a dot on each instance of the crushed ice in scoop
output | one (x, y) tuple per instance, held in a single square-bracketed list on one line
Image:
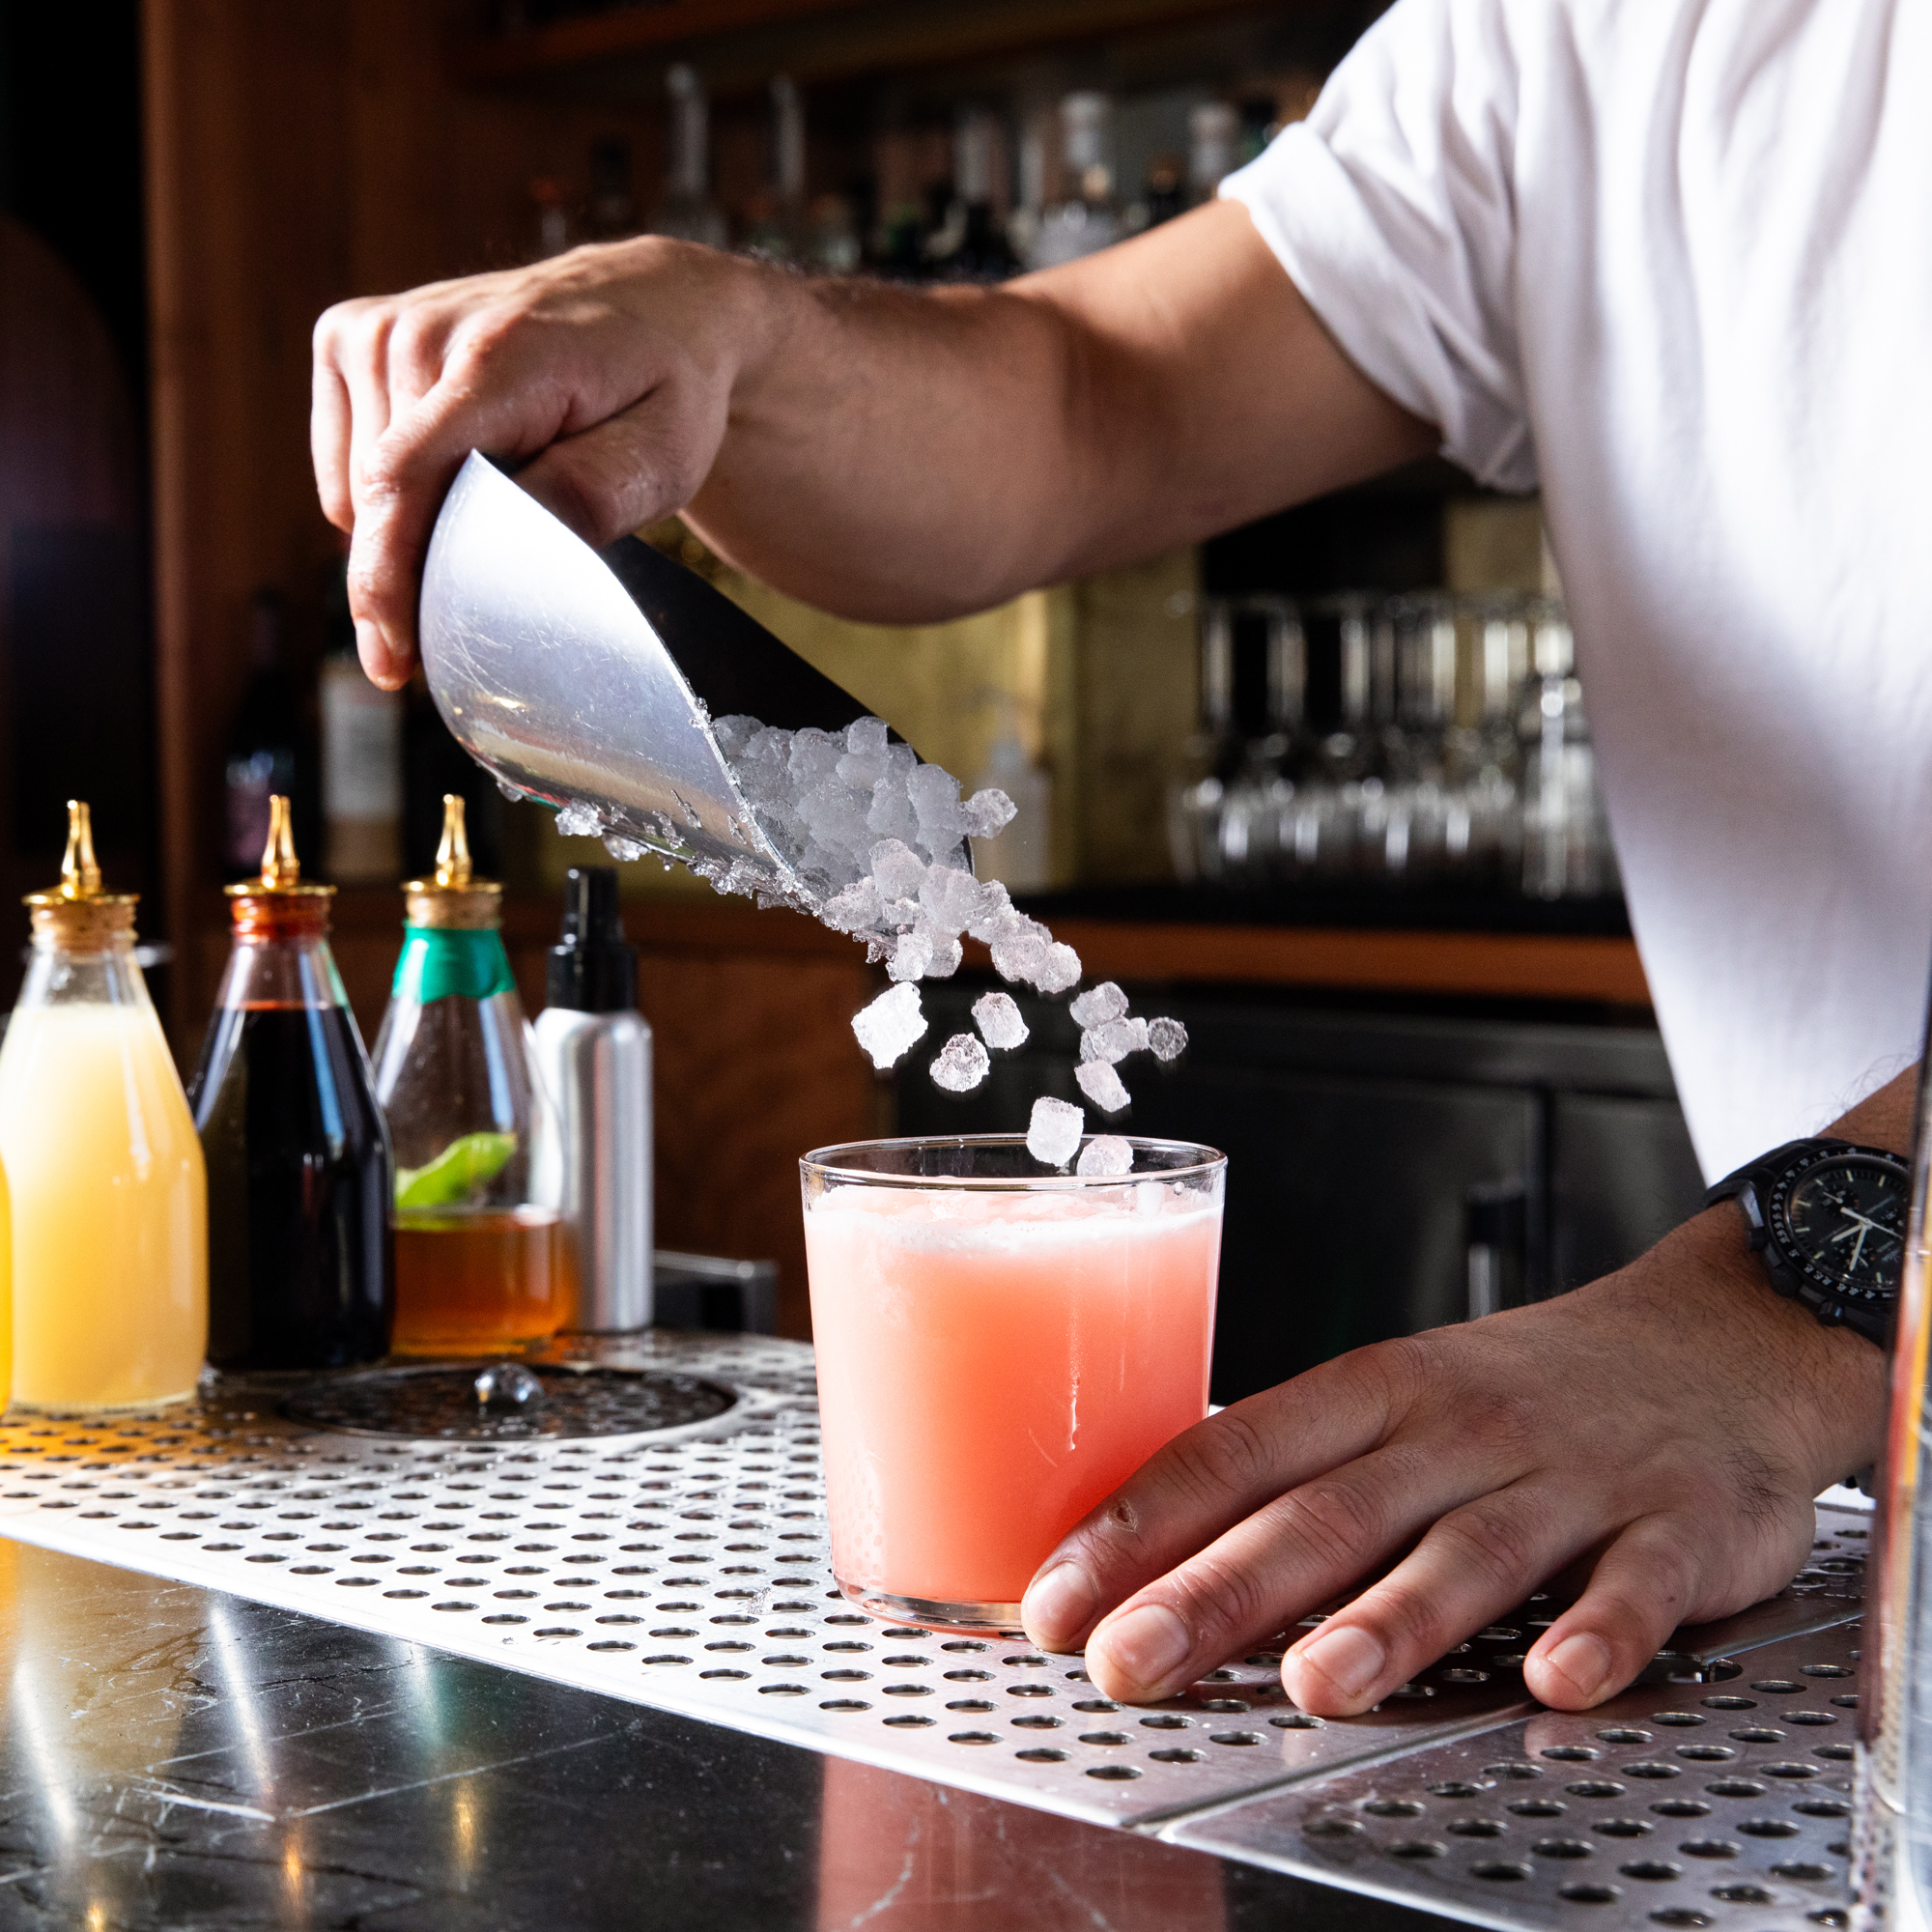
[(890, 1025), (1101, 1085), (1106, 1153), (1053, 1133), (998, 1018), (960, 1064), (578, 820), (1167, 1037)]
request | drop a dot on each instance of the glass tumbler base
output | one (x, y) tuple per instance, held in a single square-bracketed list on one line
[(959, 1619)]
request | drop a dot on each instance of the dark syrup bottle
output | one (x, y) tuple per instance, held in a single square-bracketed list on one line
[(301, 1268)]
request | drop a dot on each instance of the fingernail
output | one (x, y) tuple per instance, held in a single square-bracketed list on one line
[(1349, 1657), (1148, 1644), (371, 646), (1060, 1604), (1583, 1661)]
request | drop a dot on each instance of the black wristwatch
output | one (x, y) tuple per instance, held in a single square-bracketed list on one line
[(1829, 1218)]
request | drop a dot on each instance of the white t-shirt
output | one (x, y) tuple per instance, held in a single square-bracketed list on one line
[(1671, 260)]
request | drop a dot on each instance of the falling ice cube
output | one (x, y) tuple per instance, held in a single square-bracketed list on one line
[(1098, 1005), (1167, 1037), (912, 955), (951, 898), (1053, 1133), (998, 1018), (987, 814), (960, 1064), (1107, 1155), (890, 1025), (1058, 970), (1101, 1085), (1113, 1040)]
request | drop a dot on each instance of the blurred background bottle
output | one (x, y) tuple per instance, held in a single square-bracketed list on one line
[(268, 746), (481, 1267), (612, 209), (299, 1267), (688, 213), (361, 758), (1085, 216), (1213, 131)]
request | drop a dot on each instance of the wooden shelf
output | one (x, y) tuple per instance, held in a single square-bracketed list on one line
[(740, 42)]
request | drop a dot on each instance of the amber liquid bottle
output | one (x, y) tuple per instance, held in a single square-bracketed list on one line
[(299, 1265), (481, 1267)]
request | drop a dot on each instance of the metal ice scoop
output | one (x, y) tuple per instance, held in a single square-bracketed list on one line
[(590, 677)]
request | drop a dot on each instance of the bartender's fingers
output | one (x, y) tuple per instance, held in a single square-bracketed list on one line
[(328, 425), (1663, 1569), (640, 466), (1211, 1478), (1473, 1566)]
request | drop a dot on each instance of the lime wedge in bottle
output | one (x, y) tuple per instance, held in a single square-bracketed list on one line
[(467, 1165)]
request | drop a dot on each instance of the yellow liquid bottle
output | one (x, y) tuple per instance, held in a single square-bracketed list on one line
[(108, 1194)]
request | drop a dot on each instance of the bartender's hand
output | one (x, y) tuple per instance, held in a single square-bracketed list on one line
[(1665, 1429), (893, 454)]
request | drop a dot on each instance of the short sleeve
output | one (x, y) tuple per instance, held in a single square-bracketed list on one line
[(1393, 209)]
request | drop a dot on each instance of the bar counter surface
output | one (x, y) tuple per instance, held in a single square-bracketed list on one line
[(177, 1756)]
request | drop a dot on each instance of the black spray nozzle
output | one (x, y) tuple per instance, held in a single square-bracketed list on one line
[(593, 969)]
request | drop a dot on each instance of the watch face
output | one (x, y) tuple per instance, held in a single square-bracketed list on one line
[(1841, 1223)]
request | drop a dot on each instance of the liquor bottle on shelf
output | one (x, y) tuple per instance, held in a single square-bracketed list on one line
[(686, 211), (593, 1056), (612, 209), (361, 760), (299, 1267), (1213, 133), (549, 221), (109, 1196), (971, 245), (481, 1267), (779, 227), (268, 745), (1087, 215)]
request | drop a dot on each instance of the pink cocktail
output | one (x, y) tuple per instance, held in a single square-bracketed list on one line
[(1000, 1346)]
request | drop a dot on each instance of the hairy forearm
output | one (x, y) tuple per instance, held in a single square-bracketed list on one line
[(904, 455)]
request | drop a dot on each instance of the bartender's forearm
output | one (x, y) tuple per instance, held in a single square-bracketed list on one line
[(905, 455), (888, 453)]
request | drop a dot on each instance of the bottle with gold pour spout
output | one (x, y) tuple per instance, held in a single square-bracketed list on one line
[(109, 1196), (480, 1267), (300, 1273)]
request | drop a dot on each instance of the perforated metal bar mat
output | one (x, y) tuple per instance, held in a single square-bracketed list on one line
[(687, 1569), (1727, 1807)]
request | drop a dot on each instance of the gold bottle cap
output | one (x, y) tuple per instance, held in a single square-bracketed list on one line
[(79, 914), (455, 897), (265, 906)]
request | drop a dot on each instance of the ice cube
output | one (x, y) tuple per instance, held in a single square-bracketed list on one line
[(867, 735), (946, 954), (1097, 1005), (890, 1025), (995, 903), (1113, 1040), (899, 869), (1054, 1130), (987, 814), (951, 899), (960, 1064), (891, 814), (836, 820), (1167, 1037), (578, 820), (860, 770), (1059, 971), (813, 759), (998, 1018), (735, 731), (912, 955), (512, 792), (622, 848), (1101, 1085), (1106, 1153), (935, 798), (1020, 957), (854, 909)]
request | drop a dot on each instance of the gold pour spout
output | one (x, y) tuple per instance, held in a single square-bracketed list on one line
[(80, 871), (452, 855), (281, 869)]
